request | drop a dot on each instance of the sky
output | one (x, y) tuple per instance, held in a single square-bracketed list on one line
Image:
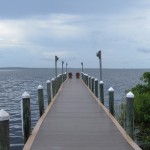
[(32, 32)]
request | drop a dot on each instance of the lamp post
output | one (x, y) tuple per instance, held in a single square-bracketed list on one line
[(98, 54), (82, 66), (56, 59)]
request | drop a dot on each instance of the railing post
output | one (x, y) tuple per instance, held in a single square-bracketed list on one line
[(111, 100), (4, 130), (89, 78), (101, 88), (65, 76), (53, 87), (26, 116), (48, 91), (92, 84), (130, 114), (87, 82), (83, 78), (61, 76), (96, 87), (56, 84), (59, 80), (82, 75), (41, 100)]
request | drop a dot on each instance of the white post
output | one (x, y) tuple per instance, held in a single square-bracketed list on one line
[(41, 100), (92, 84), (48, 91), (26, 116), (89, 81), (111, 100), (4, 130), (53, 87), (130, 114), (96, 87), (101, 88)]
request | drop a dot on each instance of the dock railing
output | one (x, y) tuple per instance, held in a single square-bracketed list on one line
[(92, 84), (53, 87)]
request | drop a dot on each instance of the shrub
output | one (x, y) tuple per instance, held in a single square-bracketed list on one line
[(142, 108), (142, 100)]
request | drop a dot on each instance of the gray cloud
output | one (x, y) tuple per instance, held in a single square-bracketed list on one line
[(144, 50), (75, 37)]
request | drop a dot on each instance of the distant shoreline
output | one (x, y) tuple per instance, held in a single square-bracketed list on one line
[(74, 68)]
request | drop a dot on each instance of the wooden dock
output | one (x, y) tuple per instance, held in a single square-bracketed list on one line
[(75, 121)]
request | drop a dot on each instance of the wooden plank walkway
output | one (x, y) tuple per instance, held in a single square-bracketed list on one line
[(76, 122)]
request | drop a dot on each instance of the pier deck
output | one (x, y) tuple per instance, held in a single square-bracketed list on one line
[(76, 122)]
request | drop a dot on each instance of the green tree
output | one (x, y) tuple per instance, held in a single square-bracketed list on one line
[(143, 88), (142, 100)]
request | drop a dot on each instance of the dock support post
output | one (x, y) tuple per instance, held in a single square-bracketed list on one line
[(26, 116), (96, 87), (101, 88), (92, 84), (49, 91), (111, 100), (89, 77), (59, 80), (57, 83), (65, 75), (4, 130), (90, 80), (41, 100), (53, 87), (84, 78), (130, 114), (87, 83), (62, 78), (82, 75)]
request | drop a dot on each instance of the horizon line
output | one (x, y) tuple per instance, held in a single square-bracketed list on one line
[(64, 68)]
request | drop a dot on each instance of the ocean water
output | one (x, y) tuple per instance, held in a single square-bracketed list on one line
[(15, 81)]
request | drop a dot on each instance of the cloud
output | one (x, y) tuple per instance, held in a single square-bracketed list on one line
[(144, 50), (38, 29), (57, 26), (12, 33), (73, 36), (63, 28), (51, 55)]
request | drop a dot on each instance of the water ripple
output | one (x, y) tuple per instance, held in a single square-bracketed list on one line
[(13, 82)]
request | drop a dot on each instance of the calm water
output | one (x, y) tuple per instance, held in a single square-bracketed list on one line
[(13, 82)]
